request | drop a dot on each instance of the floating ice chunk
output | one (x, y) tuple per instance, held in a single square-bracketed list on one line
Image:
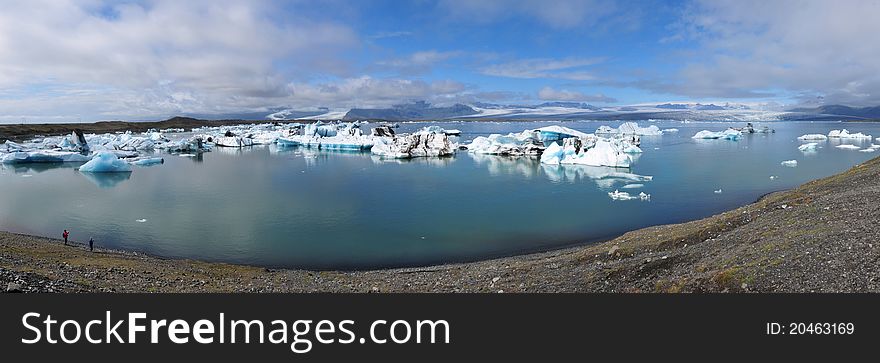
[(773, 177), (43, 156), (630, 128), (633, 186), (147, 161), (557, 133), (813, 137), (790, 163), (187, 155), (12, 146), (717, 191), (421, 144), (729, 134), (618, 195), (233, 141), (142, 220), (105, 162), (808, 147), (669, 131), (552, 154), (848, 147), (845, 134), (524, 143), (868, 150), (288, 142)]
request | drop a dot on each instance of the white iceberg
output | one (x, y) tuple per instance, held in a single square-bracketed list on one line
[(524, 143), (845, 134), (633, 186), (669, 131), (818, 137), (618, 195), (592, 151), (790, 163), (630, 128), (808, 147), (105, 162), (43, 156), (729, 134), (147, 161), (868, 150)]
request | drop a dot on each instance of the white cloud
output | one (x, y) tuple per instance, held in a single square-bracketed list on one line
[(756, 48), (550, 94), (366, 91), (158, 57), (418, 62), (567, 68)]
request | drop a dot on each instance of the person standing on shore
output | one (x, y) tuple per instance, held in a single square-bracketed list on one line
[(91, 244), (65, 234)]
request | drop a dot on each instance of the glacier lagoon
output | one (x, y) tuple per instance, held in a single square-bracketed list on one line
[(292, 207)]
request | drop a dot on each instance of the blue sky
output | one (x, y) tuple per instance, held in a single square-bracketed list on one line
[(93, 60)]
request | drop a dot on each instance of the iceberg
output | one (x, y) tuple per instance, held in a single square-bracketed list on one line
[(105, 162), (808, 147), (630, 128), (868, 150), (147, 161), (43, 156), (618, 195), (848, 147), (818, 137), (557, 133), (669, 131), (233, 141), (420, 144), (790, 163), (729, 134), (524, 143), (845, 134), (633, 186), (598, 152)]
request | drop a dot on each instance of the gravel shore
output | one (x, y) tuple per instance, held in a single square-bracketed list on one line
[(820, 237)]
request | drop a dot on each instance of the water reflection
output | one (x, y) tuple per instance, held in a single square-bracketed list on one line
[(107, 180), (526, 166), (604, 177), (38, 167)]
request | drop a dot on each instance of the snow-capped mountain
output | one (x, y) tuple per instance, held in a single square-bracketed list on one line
[(577, 111)]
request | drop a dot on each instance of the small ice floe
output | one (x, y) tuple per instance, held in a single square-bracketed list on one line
[(669, 131), (618, 195), (630, 128), (868, 150), (808, 147), (848, 147), (773, 177), (719, 190), (187, 155), (633, 186), (789, 163), (729, 134), (142, 220), (817, 137), (26, 175), (146, 161)]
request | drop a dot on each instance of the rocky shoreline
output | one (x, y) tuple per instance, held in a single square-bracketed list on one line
[(819, 237)]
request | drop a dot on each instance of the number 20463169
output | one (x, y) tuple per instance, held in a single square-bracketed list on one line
[(810, 328)]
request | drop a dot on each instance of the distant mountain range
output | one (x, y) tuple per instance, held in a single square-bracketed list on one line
[(841, 110), (582, 111)]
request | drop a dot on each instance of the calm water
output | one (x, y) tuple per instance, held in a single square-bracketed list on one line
[(300, 208)]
